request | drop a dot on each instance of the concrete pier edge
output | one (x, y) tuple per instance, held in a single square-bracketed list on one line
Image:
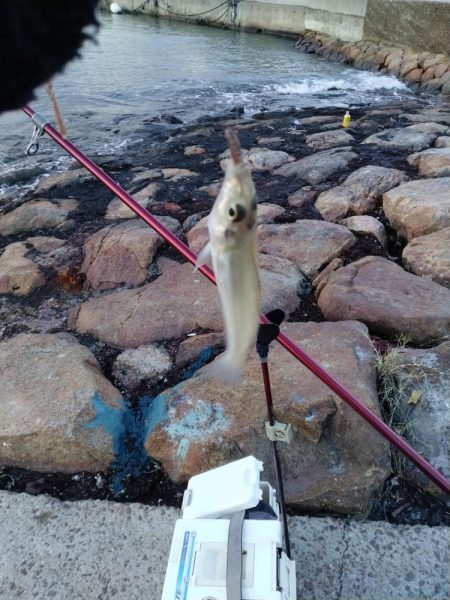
[(100, 550)]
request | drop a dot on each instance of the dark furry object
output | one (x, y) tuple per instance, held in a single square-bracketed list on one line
[(37, 38)]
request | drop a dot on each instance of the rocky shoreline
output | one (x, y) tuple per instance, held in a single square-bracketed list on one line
[(103, 326), (428, 70)]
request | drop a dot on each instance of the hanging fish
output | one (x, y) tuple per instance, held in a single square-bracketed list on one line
[(232, 248)]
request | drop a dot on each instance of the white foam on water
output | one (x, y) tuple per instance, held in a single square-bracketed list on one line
[(360, 82)]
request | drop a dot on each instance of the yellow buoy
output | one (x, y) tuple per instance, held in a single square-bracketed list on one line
[(346, 120)]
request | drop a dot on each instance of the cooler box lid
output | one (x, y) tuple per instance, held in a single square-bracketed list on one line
[(224, 490)]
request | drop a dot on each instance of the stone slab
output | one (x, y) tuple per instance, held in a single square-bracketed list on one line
[(98, 550)]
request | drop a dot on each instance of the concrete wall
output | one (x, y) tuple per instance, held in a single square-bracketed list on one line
[(340, 18), (423, 25)]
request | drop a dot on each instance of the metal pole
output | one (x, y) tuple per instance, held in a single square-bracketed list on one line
[(276, 456), (299, 354)]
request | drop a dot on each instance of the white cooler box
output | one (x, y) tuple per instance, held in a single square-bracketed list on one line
[(197, 567)]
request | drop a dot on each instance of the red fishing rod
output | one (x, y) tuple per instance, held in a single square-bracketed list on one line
[(41, 126)]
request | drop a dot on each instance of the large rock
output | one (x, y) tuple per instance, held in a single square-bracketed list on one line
[(429, 256), (198, 236), (421, 385), (196, 347), (119, 210), (366, 225), (122, 253), (405, 139), (259, 159), (434, 116), (51, 387), (45, 244), (335, 462), (418, 207), (146, 363), (328, 139), (429, 128), (309, 244), (388, 299), (18, 275), (319, 166), (176, 303), (434, 162), (360, 192), (68, 178), (37, 214), (442, 142)]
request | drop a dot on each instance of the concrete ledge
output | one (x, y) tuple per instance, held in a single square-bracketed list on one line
[(98, 550)]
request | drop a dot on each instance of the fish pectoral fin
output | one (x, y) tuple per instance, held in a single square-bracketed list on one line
[(204, 257)]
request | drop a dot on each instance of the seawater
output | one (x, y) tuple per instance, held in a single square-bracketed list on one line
[(143, 67)]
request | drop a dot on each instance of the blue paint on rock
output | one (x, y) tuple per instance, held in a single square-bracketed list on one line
[(204, 356), (128, 427), (202, 420), (156, 412)]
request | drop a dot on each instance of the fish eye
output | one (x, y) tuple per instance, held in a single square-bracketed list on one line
[(237, 213)]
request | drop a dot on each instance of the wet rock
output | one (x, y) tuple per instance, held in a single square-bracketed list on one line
[(309, 244), (437, 128), (429, 256), (259, 159), (119, 210), (360, 192), (146, 175), (409, 65), (404, 139), (212, 189), (121, 253), (45, 244), (335, 462), (414, 76), (421, 410), (319, 166), (302, 196), (146, 363), (192, 347), (434, 162), (19, 275), (176, 303), (263, 141), (418, 207), (328, 139), (73, 177), (37, 214), (428, 116), (194, 150), (174, 174), (198, 236), (442, 142), (319, 119), (388, 300), (367, 226), (51, 389)]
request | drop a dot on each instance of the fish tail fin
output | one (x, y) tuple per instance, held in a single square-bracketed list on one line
[(226, 368)]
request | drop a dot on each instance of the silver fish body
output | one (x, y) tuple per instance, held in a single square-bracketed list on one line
[(234, 254)]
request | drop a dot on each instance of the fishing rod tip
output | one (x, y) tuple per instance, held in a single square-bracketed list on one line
[(231, 135)]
